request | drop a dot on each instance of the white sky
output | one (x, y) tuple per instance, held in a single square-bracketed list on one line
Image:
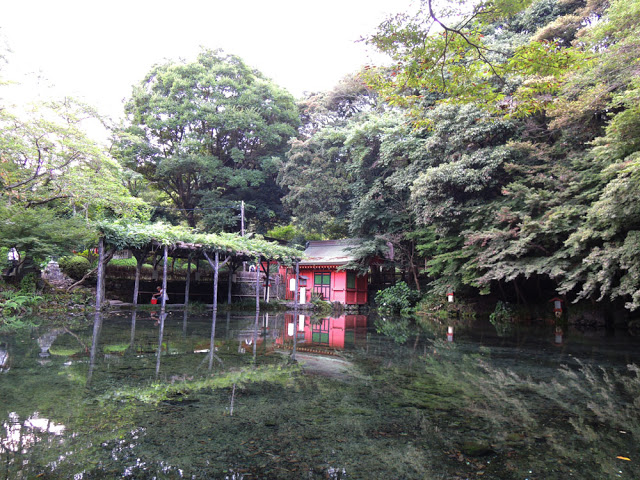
[(96, 50)]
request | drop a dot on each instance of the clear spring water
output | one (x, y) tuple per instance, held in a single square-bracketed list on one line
[(288, 396)]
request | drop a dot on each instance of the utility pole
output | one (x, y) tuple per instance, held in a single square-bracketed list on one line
[(244, 264)]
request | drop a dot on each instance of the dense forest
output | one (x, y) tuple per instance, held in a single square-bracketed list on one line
[(496, 153)]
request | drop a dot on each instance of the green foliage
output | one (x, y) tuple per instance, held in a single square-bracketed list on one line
[(293, 234), (241, 378), (41, 232), (74, 266), (122, 235), (28, 284), (206, 133), (48, 160), (14, 306), (398, 298), (124, 262), (505, 316), (503, 313)]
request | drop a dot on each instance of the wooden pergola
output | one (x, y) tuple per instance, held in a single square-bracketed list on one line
[(178, 242)]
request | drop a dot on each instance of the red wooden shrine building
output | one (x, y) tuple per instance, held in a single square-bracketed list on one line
[(321, 274)]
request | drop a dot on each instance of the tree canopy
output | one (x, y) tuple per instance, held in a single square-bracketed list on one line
[(207, 133)]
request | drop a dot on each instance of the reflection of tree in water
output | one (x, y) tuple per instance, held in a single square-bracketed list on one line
[(5, 358), (18, 436), (529, 421)]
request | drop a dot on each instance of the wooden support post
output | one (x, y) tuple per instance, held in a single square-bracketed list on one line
[(295, 314), (266, 281), (214, 315), (164, 280), (215, 265), (255, 328), (258, 286), (295, 293), (229, 282), (100, 285), (187, 283), (216, 271)]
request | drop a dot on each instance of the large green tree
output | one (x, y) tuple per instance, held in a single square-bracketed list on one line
[(55, 179), (207, 134), (559, 206)]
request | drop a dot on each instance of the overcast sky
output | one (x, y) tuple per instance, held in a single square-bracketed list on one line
[(98, 50)]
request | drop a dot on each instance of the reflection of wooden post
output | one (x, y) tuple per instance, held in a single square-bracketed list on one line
[(136, 287), (160, 337), (97, 326), (100, 284), (164, 279), (133, 328)]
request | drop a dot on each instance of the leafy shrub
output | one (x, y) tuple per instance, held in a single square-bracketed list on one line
[(28, 284), (396, 299), (503, 318), (124, 262), (16, 303), (75, 266), (504, 312)]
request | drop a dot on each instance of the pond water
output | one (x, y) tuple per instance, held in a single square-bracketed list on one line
[(289, 396)]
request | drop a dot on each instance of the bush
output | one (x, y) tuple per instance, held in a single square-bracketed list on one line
[(124, 262), (74, 266), (28, 283), (396, 299)]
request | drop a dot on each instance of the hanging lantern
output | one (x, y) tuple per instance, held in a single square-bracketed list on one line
[(450, 297)]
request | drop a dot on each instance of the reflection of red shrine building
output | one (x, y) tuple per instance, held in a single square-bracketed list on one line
[(344, 332), (321, 274)]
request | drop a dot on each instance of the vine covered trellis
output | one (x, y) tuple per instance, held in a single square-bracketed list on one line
[(146, 239), (120, 236)]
